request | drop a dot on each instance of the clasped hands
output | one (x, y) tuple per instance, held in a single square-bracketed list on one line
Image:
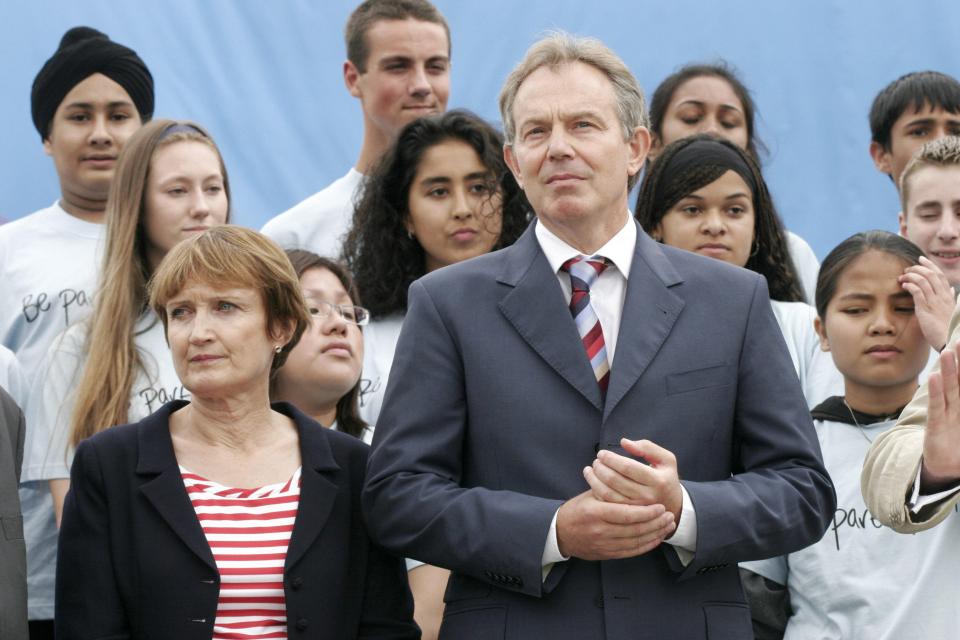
[(630, 508)]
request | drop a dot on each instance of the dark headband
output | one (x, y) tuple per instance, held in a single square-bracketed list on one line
[(83, 52), (180, 127), (674, 182)]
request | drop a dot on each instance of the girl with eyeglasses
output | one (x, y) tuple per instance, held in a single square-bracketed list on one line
[(321, 376)]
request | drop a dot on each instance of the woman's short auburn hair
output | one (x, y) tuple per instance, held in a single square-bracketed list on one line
[(229, 255)]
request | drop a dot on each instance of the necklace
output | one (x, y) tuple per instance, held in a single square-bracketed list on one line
[(856, 422)]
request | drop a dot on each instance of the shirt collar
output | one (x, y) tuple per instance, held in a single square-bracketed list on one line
[(618, 250)]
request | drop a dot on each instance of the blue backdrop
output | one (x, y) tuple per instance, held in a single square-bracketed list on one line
[(265, 78)]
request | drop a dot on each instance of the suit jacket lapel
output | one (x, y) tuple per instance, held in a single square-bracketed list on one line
[(317, 491), (650, 310), (536, 309), (166, 491)]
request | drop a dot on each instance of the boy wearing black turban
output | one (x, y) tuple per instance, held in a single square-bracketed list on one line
[(86, 101)]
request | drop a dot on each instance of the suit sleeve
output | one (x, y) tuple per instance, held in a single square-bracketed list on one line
[(779, 497), (88, 599), (414, 499), (893, 460)]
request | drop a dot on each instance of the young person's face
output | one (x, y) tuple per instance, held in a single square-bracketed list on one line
[(326, 363), (704, 104), (932, 218), (716, 221), (910, 132), (87, 132), (407, 74), (870, 328), (454, 213), (184, 195)]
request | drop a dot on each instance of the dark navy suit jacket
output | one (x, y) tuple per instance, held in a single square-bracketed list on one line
[(133, 561), (492, 411)]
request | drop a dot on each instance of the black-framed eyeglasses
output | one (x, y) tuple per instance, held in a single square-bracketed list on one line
[(355, 315)]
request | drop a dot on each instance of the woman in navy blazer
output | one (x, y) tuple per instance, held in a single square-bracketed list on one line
[(134, 561)]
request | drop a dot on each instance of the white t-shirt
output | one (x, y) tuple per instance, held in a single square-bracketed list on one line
[(319, 223), (806, 264), (379, 344), (818, 375), (49, 261), (11, 378), (47, 454), (863, 580)]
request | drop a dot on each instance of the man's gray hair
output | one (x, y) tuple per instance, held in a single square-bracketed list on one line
[(561, 48)]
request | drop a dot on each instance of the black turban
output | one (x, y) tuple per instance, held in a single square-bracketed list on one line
[(83, 52)]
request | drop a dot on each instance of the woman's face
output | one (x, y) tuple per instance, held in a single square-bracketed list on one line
[(716, 221), (704, 104), (184, 195), (219, 341), (454, 214), (870, 328), (326, 363)]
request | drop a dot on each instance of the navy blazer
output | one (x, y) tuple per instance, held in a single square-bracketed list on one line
[(133, 561), (492, 411)]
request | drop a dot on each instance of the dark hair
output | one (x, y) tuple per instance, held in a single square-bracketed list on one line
[(852, 248), (382, 256), (911, 91), (720, 69), (770, 256), (348, 406), (373, 11)]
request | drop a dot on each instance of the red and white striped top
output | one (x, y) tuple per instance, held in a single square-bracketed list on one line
[(248, 531)]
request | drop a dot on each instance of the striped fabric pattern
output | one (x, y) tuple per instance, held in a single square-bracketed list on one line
[(248, 531), (583, 273)]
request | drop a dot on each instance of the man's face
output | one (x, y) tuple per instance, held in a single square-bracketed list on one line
[(910, 132), (569, 154), (932, 216), (407, 76)]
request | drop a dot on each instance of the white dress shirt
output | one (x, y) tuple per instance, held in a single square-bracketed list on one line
[(606, 297)]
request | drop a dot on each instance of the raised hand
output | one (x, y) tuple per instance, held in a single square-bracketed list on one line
[(933, 297), (941, 438)]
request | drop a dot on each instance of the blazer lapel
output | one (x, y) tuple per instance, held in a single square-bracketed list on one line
[(650, 310), (166, 491), (536, 309), (317, 491)]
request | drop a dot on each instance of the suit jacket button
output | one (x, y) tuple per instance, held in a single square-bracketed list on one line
[(296, 583), (301, 624)]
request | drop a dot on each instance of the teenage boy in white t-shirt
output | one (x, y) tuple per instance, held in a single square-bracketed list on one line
[(86, 101), (398, 66)]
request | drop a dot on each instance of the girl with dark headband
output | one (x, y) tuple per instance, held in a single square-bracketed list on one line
[(711, 98), (707, 195), (170, 184)]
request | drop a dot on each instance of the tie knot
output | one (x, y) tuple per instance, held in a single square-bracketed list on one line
[(584, 271)]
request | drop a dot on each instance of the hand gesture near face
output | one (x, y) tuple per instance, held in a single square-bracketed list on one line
[(941, 438), (933, 297)]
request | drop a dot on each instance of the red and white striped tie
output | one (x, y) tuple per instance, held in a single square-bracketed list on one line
[(583, 273)]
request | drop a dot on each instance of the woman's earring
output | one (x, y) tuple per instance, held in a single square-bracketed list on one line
[(278, 349), (409, 234)]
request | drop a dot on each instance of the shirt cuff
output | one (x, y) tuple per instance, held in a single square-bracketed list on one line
[(551, 550), (684, 539), (918, 501)]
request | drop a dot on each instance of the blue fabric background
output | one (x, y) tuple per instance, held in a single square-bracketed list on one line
[(265, 78)]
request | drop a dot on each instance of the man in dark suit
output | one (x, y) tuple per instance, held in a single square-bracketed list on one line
[(13, 559), (588, 344)]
